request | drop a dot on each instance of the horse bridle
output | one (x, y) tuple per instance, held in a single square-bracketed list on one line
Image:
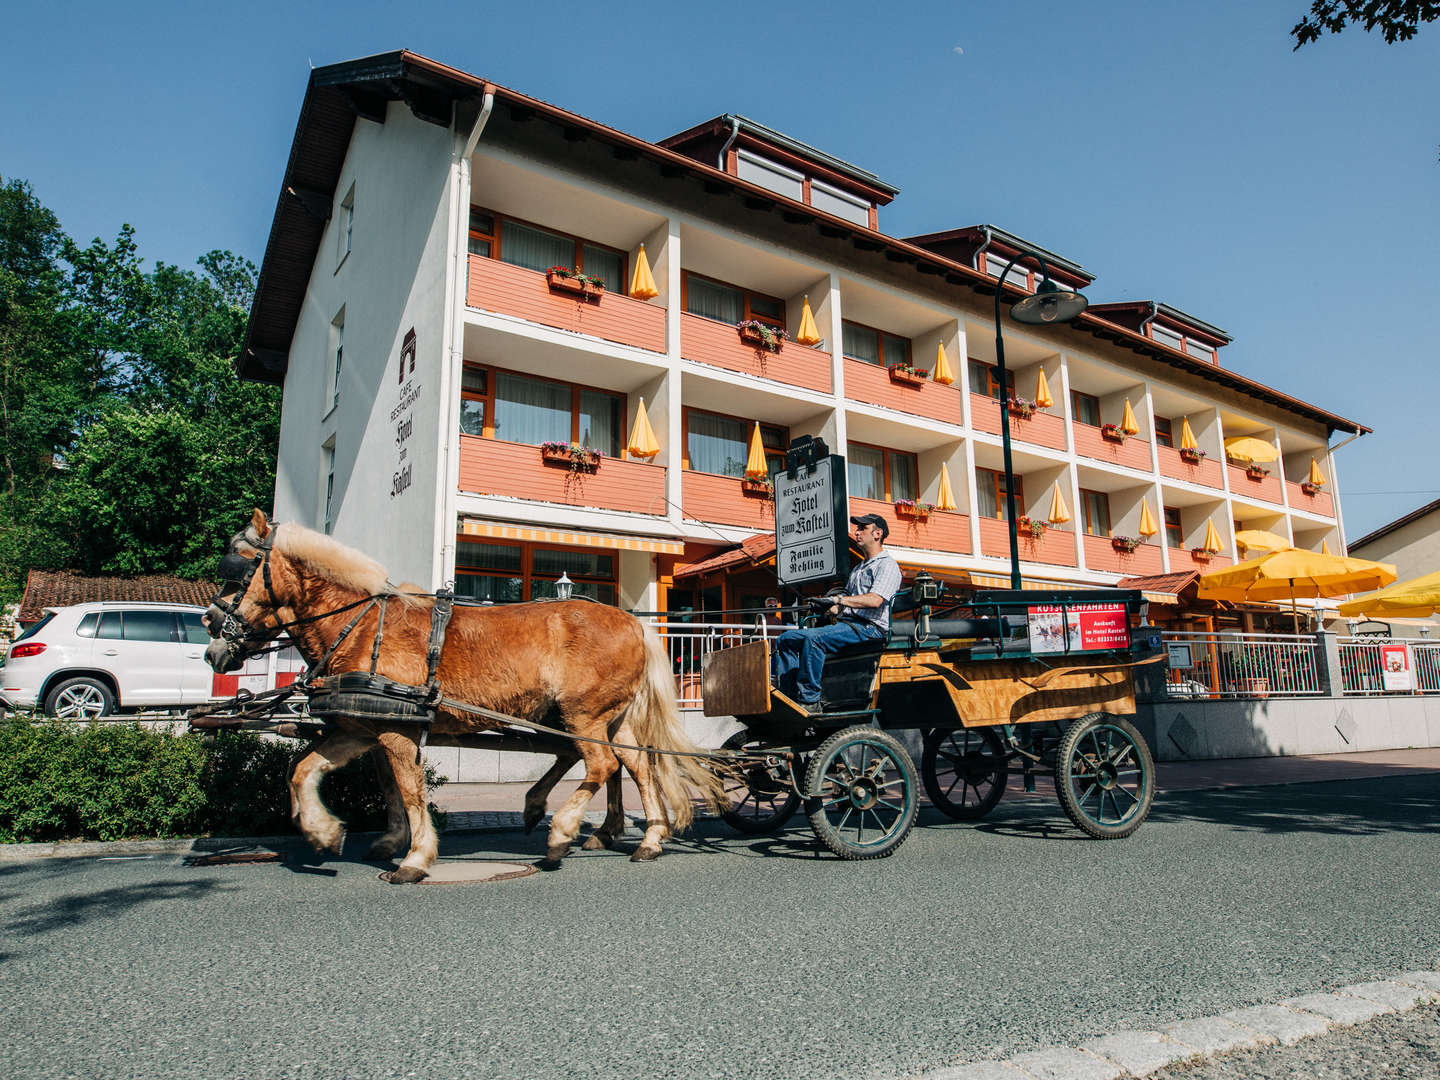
[(236, 629)]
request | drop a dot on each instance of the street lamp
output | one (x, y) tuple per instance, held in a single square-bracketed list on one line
[(1049, 304), (564, 587)]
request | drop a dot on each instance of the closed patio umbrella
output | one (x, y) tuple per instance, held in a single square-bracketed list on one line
[(1148, 527), (1294, 573), (1187, 437), (642, 282), (942, 373), (1316, 476), (1212, 538), (1059, 512), (808, 334), (643, 443), (1128, 424), (946, 499), (1413, 599), (755, 467), (1043, 400)]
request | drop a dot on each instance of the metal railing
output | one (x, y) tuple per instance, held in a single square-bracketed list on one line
[(1240, 665), (1370, 665), (689, 643)]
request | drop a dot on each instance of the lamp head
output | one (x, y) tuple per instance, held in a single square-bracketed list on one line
[(564, 587), (1050, 304)]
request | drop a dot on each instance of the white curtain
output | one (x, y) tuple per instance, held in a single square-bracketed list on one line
[(600, 422), (866, 472), (717, 444), (714, 301), (531, 411), (534, 248)]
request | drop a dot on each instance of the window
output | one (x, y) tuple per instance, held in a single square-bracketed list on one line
[(721, 444), (1166, 337), (86, 626), (1174, 533), (1095, 506), (337, 356), (1200, 350), (1018, 275), (111, 626), (990, 493), (1086, 408), (493, 236), (329, 454), (773, 177), (885, 475), (728, 303), (346, 225), (840, 203), (874, 346), (985, 379), (149, 626), (509, 573), (195, 632), (1163, 433), (524, 409)]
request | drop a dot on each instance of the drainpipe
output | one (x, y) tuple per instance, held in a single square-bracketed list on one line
[(734, 134), (980, 251), (1145, 322)]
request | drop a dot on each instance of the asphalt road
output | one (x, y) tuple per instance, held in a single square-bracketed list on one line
[(730, 957)]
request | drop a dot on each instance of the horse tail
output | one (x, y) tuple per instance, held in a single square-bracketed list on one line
[(655, 719)]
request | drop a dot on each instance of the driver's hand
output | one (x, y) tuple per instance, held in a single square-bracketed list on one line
[(835, 610)]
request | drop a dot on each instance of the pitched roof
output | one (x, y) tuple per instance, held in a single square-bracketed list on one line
[(1161, 583), (61, 588)]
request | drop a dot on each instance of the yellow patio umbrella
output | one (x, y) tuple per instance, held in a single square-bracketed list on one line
[(1128, 423), (809, 333), (1294, 573), (642, 282), (1413, 599), (755, 468), (942, 372), (1316, 476), (1147, 520), (1324, 547), (946, 499), (1187, 437), (1212, 538), (1043, 400), (1059, 512), (643, 443), (1247, 448), (1260, 540)]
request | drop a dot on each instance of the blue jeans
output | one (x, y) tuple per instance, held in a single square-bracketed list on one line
[(798, 656)]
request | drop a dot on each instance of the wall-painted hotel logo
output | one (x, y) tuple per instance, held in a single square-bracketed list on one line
[(402, 417)]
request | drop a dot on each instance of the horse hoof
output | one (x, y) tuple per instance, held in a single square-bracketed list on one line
[(532, 818), (336, 843), (405, 875), (599, 842), (556, 852), (645, 854)]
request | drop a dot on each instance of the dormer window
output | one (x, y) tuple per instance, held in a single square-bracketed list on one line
[(1018, 275), (1167, 337), (840, 203), (1201, 350), (769, 175)]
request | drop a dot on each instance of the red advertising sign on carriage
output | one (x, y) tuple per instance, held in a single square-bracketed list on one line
[(1078, 627)]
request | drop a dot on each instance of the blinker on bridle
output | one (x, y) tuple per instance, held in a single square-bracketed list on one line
[(235, 569)]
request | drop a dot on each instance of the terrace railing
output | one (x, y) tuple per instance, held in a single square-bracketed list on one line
[(689, 643), (1237, 665), (1414, 666)]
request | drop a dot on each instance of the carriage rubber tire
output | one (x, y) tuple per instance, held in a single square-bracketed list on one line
[(81, 687), (1064, 776), (820, 763), (940, 798), (752, 824)]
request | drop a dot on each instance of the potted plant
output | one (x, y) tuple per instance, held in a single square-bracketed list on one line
[(1256, 472), (1112, 432), (573, 456), (1031, 527), (1191, 455), (1202, 554), (760, 486), (759, 335), (1126, 545), (906, 374), (1250, 672), (1309, 488), (1024, 408), (564, 279), (911, 510)]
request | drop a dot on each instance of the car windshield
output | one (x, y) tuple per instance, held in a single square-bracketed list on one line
[(37, 627)]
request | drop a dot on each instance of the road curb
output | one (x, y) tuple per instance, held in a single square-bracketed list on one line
[(1127, 1054)]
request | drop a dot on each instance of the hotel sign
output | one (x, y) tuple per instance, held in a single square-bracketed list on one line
[(812, 523)]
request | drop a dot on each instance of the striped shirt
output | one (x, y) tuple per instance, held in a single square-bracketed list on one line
[(879, 575)]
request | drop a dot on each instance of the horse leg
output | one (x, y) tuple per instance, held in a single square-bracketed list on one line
[(402, 752), (600, 766), (614, 825), (316, 823), (657, 819), (536, 796), (397, 825)]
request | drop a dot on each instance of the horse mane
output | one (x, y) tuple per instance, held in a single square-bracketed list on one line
[(332, 560)]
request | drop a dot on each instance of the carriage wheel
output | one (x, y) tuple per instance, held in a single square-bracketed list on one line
[(1105, 776), (964, 770), (864, 804), (758, 799)]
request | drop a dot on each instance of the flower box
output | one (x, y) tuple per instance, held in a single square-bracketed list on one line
[(906, 376), (575, 458), (1126, 545), (1112, 432), (1202, 555), (561, 279), (1256, 472), (761, 489), (910, 510), (759, 336), (1191, 456), (1030, 527), (1021, 408), (1309, 489), (1255, 687)]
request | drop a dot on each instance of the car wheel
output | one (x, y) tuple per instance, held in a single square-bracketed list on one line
[(80, 698)]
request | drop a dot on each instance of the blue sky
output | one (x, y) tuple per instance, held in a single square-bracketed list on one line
[(1180, 152)]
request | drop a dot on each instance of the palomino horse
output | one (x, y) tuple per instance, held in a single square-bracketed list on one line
[(590, 669)]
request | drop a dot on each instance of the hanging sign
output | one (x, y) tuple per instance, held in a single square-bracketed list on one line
[(812, 522), (1078, 627)]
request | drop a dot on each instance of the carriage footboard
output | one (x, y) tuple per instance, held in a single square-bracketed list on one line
[(736, 681)]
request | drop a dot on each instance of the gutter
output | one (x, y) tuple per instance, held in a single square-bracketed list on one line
[(734, 134)]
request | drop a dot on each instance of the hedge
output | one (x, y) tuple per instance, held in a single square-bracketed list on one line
[(61, 781)]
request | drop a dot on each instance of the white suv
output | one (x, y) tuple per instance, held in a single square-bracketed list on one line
[(89, 660)]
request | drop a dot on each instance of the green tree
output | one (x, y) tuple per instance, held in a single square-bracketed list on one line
[(1397, 20)]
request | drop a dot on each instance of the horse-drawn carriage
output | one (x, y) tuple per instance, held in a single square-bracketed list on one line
[(1039, 681)]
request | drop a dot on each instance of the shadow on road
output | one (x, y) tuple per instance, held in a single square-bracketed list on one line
[(69, 912)]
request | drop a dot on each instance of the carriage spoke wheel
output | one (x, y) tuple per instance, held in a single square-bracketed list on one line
[(1105, 776), (863, 785), (758, 799), (965, 771)]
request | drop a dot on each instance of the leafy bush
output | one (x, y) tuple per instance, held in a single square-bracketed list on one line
[(60, 781)]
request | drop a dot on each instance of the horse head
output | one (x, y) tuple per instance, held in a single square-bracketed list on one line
[(243, 616)]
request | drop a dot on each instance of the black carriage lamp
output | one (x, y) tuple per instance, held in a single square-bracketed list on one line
[(1048, 304)]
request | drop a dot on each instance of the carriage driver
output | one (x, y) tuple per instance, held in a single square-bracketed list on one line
[(862, 613)]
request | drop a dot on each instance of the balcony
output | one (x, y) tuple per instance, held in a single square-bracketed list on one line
[(872, 384), (717, 344), (513, 290), (493, 467), (1039, 429), (1055, 546), (720, 500), (1133, 453), (1100, 554), (942, 530), (1183, 559), (1174, 467), (1320, 503), (1266, 489)]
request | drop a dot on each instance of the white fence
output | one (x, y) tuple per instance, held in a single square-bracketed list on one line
[(1389, 666), (1241, 665), (688, 643)]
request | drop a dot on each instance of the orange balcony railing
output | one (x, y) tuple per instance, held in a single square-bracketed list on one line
[(1319, 503), (718, 344), (1054, 546), (1040, 428), (1100, 554), (722, 500), (494, 467), (941, 530), (1182, 559), (873, 384), (1267, 488), (513, 290), (1134, 452), (1206, 471)]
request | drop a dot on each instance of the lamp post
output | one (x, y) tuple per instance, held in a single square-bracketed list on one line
[(1048, 304)]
